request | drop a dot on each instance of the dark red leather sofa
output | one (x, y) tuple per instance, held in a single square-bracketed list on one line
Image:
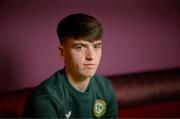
[(152, 94), (149, 94)]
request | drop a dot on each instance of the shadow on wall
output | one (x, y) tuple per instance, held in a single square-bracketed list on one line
[(8, 66)]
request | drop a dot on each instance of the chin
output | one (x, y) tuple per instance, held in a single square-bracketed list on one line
[(88, 75)]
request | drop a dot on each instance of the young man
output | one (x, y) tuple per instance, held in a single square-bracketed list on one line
[(75, 91)]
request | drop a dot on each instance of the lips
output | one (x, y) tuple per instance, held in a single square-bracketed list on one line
[(90, 66)]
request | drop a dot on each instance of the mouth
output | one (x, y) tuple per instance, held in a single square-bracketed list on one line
[(90, 66)]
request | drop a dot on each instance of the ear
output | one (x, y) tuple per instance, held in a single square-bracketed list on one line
[(61, 52)]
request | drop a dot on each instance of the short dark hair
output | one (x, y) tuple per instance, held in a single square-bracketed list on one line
[(79, 26)]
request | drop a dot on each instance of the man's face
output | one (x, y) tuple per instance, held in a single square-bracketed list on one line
[(81, 57)]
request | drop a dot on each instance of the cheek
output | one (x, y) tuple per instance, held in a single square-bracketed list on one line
[(98, 56), (75, 58)]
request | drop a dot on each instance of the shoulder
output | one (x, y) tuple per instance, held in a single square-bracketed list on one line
[(49, 86), (47, 93), (102, 85), (101, 80)]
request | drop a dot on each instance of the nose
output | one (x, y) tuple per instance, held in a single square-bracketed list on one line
[(89, 54)]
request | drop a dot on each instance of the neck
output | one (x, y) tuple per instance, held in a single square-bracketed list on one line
[(79, 83)]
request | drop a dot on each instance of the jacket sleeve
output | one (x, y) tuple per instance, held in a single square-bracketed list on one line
[(41, 107), (112, 105)]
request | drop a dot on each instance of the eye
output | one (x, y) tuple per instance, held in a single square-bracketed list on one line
[(79, 47), (98, 46)]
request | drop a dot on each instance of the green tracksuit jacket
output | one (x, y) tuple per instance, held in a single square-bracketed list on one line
[(56, 98)]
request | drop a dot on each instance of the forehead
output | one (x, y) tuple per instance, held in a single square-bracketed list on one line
[(72, 41)]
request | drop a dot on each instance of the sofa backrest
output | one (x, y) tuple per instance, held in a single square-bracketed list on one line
[(144, 88)]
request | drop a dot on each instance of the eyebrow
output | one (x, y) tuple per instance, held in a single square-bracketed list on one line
[(84, 44), (75, 44), (97, 43)]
